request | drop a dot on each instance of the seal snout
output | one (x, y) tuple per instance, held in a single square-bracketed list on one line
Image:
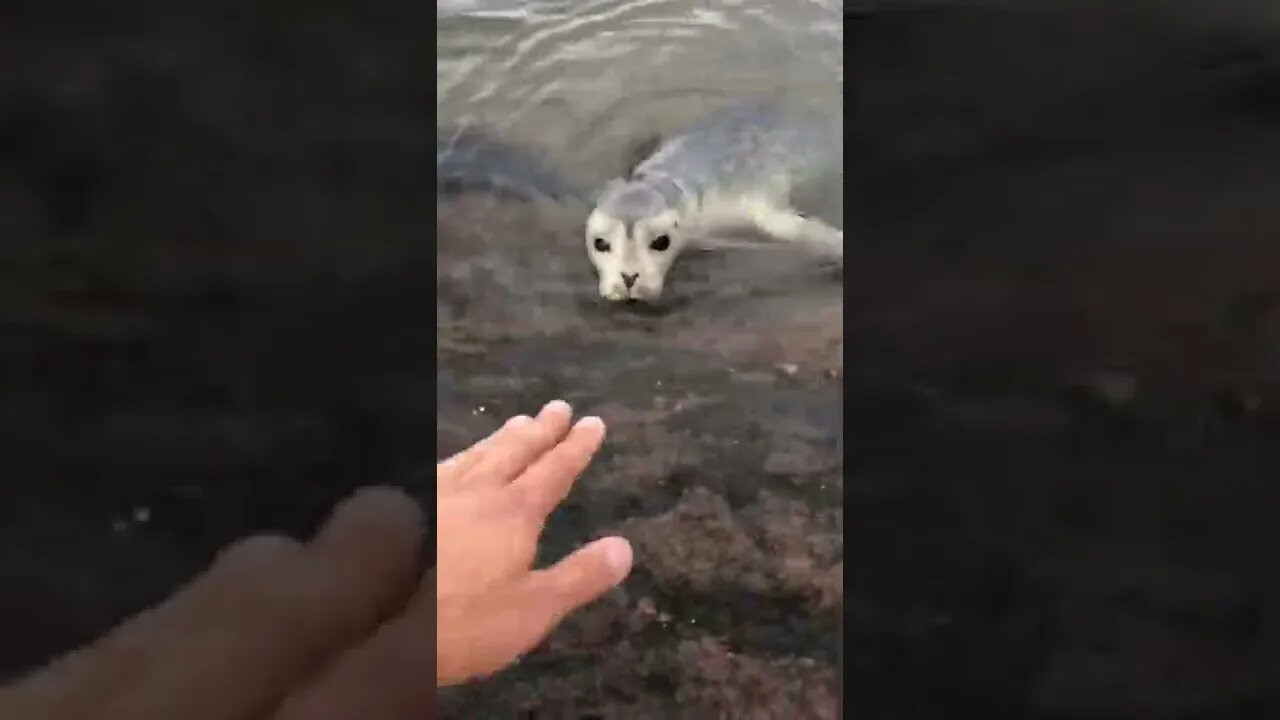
[(630, 280)]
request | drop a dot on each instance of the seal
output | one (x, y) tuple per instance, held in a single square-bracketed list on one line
[(736, 171)]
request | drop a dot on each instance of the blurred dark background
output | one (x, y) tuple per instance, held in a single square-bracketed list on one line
[(215, 282), (1062, 344)]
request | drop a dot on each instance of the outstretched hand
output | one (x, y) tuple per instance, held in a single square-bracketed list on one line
[(340, 627), (492, 502)]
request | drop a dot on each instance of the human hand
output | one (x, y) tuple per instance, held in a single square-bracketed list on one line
[(492, 502), (339, 627)]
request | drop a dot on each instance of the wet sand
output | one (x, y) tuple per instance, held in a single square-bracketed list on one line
[(724, 467)]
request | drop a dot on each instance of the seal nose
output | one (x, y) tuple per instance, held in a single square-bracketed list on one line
[(629, 280)]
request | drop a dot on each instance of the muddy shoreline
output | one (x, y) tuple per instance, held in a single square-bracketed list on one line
[(724, 467)]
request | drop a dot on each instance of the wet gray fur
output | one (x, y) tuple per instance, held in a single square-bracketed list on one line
[(638, 202), (759, 147)]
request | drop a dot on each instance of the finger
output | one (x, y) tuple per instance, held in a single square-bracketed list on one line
[(111, 670), (450, 471), (578, 579), (460, 470), (269, 613), (385, 677), (515, 448), (510, 624), (461, 640), (546, 483), (367, 555)]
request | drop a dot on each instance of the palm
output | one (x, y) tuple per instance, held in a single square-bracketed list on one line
[(488, 541)]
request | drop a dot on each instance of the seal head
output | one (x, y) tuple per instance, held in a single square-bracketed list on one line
[(633, 236)]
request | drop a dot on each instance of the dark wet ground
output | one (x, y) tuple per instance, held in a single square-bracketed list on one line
[(723, 466), (1061, 383)]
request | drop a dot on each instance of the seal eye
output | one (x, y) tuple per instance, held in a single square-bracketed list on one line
[(660, 243), (601, 245)]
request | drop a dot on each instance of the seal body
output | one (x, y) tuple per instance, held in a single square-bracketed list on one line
[(735, 171)]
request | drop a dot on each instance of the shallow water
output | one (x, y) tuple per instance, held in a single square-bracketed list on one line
[(724, 459), (583, 81)]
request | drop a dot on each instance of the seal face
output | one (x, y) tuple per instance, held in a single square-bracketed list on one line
[(735, 171), (633, 236)]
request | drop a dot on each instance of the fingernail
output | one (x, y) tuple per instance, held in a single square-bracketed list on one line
[(519, 420), (618, 554), (556, 405), (591, 422)]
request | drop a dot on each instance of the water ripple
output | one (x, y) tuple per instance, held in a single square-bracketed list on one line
[(583, 81)]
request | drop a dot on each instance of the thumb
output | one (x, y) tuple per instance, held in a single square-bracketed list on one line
[(583, 576), (481, 638)]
